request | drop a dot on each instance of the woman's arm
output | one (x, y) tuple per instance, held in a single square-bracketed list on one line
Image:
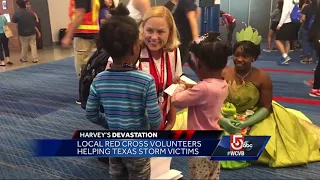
[(225, 22), (193, 22), (265, 102), (171, 117), (4, 19), (303, 15), (37, 18), (38, 32), (102, 21), (274, 13)]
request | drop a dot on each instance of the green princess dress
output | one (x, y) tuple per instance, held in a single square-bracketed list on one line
[(294, 139)]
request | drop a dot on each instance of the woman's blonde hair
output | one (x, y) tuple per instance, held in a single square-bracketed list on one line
[(161, 11)]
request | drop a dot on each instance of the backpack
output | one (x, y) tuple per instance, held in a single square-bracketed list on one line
[(96, 64), (295, 14)]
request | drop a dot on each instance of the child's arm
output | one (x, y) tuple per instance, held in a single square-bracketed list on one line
[(93, 107), (152, 106), (183, 97)]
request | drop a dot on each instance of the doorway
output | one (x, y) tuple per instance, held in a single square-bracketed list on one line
[(42, 10)]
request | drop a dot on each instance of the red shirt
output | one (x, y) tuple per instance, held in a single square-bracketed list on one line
[(229, 18)]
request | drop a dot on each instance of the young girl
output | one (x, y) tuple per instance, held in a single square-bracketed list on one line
[(126, 93), (205, 99)]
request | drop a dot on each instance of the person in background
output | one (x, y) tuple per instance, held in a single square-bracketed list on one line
[(27, 31), (286, 31), (84, 26), (127, 94), (275, 18), (309, 53), (205, 99), (306, 3), (295, 45), (186, 18), (172, 5), (137, 8), (105, 7), (229, 22), (314, 37), (4, 43), (29, 7)]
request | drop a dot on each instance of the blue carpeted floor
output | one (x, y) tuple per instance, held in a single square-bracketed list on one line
[(39, 102)]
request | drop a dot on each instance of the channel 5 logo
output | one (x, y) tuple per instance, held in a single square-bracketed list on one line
[(238, 143)]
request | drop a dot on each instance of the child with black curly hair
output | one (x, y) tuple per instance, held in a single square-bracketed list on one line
[(205, 99), (126, 93)]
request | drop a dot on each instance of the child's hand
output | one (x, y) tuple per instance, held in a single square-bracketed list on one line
[(186, 84), (176, 80)]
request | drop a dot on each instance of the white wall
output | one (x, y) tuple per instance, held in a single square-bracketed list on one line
[(58, 12)]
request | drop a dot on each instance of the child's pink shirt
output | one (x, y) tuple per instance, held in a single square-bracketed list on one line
[(204, 102)]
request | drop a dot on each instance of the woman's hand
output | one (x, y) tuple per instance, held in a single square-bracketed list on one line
[(171, 118), (230, 125)]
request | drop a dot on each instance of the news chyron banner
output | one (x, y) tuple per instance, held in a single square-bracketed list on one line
[(178, 143)]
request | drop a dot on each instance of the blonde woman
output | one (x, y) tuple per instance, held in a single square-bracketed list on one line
[(160, 56)]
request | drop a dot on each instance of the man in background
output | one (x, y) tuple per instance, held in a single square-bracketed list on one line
[(27, 31), (186, 17), (171, 5), (84, 27)]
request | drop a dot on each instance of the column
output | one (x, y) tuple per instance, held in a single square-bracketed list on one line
[(210, 12)]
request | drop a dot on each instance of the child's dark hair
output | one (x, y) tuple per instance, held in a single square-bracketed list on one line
[(21, 4), (212, 52), (119, 34), (248, 48)]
